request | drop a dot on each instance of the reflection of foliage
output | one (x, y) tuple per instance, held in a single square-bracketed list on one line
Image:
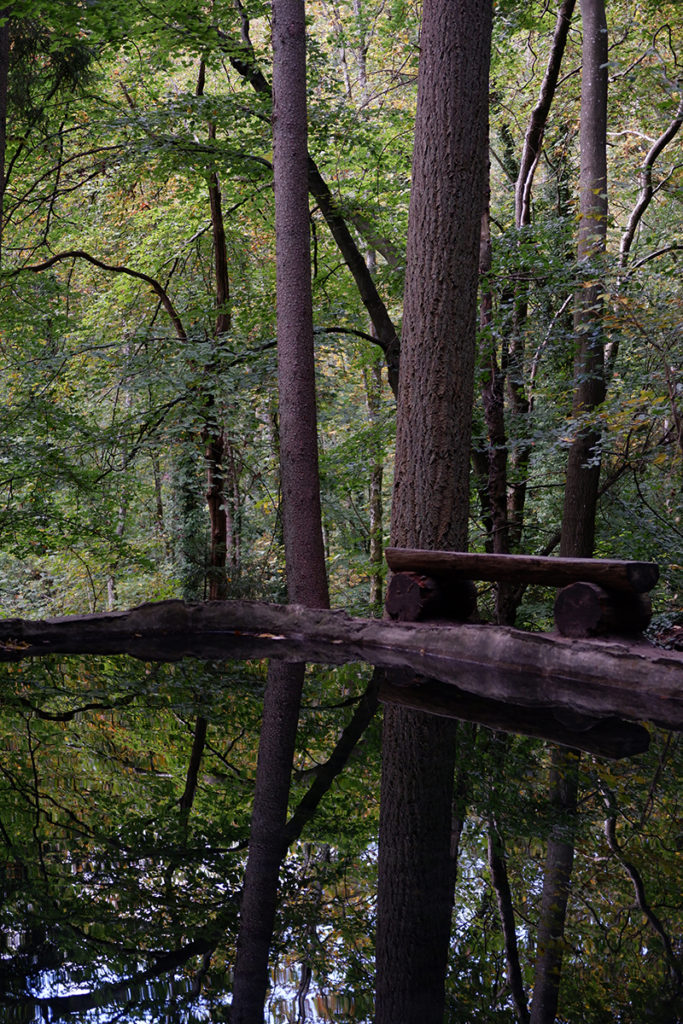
[(103, 877)]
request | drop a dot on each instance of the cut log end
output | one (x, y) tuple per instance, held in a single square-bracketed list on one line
[(585, 610), (413, 597)]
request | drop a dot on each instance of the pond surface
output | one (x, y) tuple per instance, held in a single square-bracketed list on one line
[(126, 797)]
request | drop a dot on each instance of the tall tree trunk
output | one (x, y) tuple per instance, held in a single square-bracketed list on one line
[(431, 489), (4, 85), (583, 464), (373, 391), (581, 486), (304, 550), (214, 434), (302, 525)]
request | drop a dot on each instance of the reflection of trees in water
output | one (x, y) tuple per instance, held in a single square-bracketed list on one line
[(104, 881)]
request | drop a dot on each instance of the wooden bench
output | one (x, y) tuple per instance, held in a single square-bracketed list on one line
[(598, 595)]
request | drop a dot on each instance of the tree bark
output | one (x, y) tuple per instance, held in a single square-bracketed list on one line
[(431, 490), (556, 884), (582, 479), (4, 86), (304, 550), (267, 841), (302, 522), (583, 464)]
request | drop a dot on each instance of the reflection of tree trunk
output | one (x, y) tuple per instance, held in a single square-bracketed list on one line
[(415, 887), (198, 744), (499, 879), (267, 843), (556, 883)]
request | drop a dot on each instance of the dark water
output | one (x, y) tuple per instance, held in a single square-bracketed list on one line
[(125, 821)]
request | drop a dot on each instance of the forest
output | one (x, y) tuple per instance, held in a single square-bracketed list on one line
[(280, 289)]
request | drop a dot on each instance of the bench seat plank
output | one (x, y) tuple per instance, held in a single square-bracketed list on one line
[(611, 573)]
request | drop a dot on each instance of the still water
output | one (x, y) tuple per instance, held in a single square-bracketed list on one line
[(126, 796)]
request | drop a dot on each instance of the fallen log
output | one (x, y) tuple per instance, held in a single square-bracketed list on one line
[(593, 677), (612, 573)]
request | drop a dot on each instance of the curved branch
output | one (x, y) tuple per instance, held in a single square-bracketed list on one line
[(639, 889), (539, 116), (113, 269), (346, 330), (646, 189)]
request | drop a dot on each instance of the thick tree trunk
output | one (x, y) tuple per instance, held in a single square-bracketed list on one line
[(431, 483), (431, 489), (415, 885)]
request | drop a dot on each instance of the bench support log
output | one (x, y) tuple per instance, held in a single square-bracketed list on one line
[(412, 597), (585, 609)]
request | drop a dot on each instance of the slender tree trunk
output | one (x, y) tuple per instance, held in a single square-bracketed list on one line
[(267, 842), (373, 391), (550, 940), (431, 490), (304, 551), (4, 85), (536, 128), (214, 434), (583, 465), (581, 486)]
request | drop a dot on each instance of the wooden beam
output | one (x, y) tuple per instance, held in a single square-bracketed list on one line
[(635, 577)]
